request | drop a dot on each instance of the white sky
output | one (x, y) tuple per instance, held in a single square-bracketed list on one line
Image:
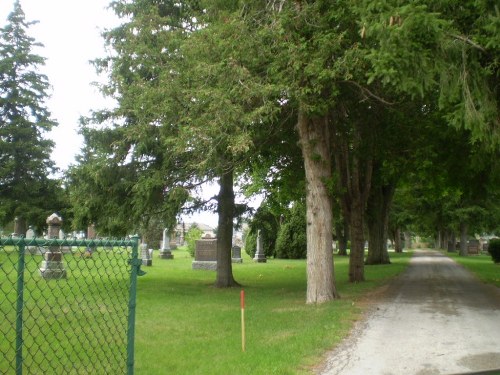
[(70, 31)]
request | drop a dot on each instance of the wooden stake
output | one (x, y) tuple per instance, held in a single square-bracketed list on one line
[(242, 300)]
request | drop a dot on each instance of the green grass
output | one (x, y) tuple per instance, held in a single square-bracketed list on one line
[(81, 320), (186, 326), (481, 265), (183, 324)]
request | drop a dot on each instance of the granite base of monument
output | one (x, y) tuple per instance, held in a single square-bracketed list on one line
[(206, 265), (260, 259), (53, 267), (166, 254)]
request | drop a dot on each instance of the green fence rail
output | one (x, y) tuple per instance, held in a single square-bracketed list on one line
[(67, 306)]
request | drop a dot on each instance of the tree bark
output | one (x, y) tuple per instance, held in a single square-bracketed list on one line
[(452, 247), (378, 223), (463, 239), (408, 244), (354, 168), (357, 253), (342, 230), (314, 140), (225, 210), (398, 246)]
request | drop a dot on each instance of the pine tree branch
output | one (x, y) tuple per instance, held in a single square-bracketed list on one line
[(469, 41)]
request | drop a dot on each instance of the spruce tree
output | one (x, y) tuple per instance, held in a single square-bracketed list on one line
[(26, 192)]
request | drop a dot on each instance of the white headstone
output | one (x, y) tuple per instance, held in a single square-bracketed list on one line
[(260, 256), (30, 233)]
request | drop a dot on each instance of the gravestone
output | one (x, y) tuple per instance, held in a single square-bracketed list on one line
[(205, 255), (146, 255), (91, 232), (31, 249), (165, 252), (473, 247), (260, 256), (52, 266), (91, 235), (19, 226), (236, 254)]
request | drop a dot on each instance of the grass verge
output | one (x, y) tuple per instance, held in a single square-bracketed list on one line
[(481, 265), (185, 326)]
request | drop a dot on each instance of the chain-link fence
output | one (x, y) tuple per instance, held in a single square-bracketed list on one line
[(67, 306)]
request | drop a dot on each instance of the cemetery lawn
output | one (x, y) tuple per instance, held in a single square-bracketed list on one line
[(186, 326), (481, 265)]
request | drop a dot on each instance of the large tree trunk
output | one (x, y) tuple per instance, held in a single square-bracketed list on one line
[(354, 169), (452, 243), (357, 254), (408, 244), (314, 140), (378, 223), (463, 239), (225, 210), (398, 245), (342, 230)]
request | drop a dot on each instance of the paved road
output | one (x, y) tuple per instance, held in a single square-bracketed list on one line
[(435, 319)]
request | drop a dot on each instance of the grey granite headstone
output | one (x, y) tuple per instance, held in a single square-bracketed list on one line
[(146, 255), (205, 255), (165, 252), (236, 256)]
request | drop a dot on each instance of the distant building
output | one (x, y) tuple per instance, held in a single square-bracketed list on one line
[(182, 228)]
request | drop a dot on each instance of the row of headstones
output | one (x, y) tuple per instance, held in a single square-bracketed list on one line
[(206, 254), (166, 248), (474, 247)]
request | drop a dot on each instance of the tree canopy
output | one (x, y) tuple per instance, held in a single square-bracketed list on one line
[(225, 90), (26, 189)]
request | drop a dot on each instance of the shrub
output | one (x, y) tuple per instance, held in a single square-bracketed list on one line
[(251, 244), (494, 249), (267, 222), (292, 238), (193, 234)]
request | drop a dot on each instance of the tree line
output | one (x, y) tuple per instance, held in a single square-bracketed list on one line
[(376, 117)]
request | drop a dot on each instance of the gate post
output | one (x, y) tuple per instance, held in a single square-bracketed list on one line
[(19, 307), (135, 264)]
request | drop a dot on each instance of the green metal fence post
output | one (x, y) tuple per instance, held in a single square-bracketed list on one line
[(135, 264), (19, 308)]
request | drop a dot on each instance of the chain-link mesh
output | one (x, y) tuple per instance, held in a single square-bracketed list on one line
[(64, 306)]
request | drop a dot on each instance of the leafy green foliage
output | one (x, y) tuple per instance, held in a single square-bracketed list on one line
[(494, 249), (251, 244), (266, 220), (292, 239), (193, 234)]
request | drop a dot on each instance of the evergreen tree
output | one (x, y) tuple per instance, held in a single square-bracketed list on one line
[(25, 189)]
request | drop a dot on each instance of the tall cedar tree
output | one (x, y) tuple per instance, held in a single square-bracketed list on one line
[(25, 189)]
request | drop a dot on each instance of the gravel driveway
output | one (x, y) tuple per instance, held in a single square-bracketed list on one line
[(437, 318)]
